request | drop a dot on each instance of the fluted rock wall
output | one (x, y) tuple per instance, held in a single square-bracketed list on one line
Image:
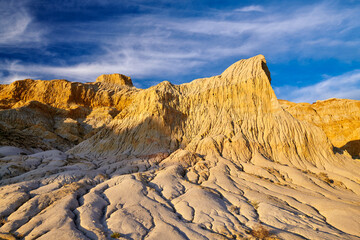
[(214, 115), (206, 115)]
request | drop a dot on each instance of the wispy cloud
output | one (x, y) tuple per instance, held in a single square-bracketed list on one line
[(120, 62), (165, 45), (346, 85), (16, 25), (303, 30), (251, 8), (13, 77)]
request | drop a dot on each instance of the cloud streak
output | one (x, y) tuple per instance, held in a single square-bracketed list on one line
[(16, 25), (251, 8), (346, 85)]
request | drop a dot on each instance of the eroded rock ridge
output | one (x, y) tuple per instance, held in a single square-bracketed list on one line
[(216, 158)]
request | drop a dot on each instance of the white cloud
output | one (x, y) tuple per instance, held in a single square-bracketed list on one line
[(346, 85), (251, 8)]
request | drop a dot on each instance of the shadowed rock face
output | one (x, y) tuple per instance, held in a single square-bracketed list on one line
[(210, 159)]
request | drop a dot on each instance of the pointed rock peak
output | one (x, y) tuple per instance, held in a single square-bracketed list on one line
[(115, 78), (246, 68)]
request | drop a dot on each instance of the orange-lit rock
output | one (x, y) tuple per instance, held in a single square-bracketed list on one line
[(115, 78), (339, 119)]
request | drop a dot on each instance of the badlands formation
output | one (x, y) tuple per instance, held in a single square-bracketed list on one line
[(216, 158)]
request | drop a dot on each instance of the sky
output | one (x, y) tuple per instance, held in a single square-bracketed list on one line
[(312, 48)]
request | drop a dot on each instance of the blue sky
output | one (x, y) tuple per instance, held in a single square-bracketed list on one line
[(312, 47)]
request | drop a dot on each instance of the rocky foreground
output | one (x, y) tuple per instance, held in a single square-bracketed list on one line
[(216, 158)]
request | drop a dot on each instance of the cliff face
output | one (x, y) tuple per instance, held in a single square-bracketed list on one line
[(211, 159)]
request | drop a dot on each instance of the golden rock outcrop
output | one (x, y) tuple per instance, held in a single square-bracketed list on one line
[(59, 111), (211, 114), (64, 94), (235, 110), (216, 158), (338, 118), (115, 78)]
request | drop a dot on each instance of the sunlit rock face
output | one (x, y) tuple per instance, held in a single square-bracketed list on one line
[(216, 158), (115, 78), (338, 118)]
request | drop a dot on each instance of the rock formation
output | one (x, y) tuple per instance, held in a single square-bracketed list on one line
[(115, 78), (338, 118), (216, 158)]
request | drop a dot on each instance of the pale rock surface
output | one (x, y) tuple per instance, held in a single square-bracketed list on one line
[(210, 159)]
